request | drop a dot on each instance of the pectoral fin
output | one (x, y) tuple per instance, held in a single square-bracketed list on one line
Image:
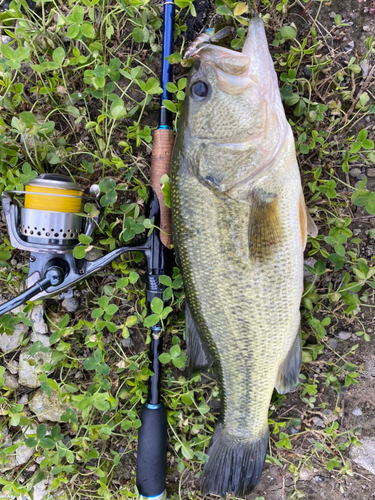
[(288, 376), (306, 223), (198, 359), (265, 224)]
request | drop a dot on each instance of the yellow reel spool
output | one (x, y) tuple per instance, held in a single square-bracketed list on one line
[(68, 200)]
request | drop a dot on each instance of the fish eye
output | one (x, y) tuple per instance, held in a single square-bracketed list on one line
[(199, 90)]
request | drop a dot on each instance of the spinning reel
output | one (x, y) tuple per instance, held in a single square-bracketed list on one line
[(48, 225)]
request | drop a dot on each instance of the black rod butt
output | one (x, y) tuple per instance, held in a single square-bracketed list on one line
[(152, 451)]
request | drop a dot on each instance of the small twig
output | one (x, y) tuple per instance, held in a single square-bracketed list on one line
[(287, 411), (364, 217), (364, 477), (305, 9)]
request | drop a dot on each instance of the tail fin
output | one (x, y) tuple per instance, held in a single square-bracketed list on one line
[(234, 465)]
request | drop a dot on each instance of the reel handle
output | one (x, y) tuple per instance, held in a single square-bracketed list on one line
[(54, 276)]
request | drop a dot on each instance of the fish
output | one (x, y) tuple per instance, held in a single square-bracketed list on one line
[(240, 226)]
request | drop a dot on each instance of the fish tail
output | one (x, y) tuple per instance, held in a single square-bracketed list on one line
[(234, 465)]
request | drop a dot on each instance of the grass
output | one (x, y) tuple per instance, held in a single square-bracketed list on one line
[(79, 95)]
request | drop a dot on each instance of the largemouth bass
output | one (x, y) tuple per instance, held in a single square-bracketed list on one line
[(240, 227)]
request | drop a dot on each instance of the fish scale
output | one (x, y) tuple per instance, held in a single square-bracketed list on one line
[(240, 225), (243, 315)]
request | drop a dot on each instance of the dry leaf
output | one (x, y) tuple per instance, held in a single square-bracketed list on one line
[(61, 90), (241, 8)]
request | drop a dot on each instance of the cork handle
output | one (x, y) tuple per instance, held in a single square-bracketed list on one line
[(160, 165)]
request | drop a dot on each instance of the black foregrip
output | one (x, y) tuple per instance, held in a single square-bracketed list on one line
[(152, 452)]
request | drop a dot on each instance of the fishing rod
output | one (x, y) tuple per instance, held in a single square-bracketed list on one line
[(152, 436), (48, 225)]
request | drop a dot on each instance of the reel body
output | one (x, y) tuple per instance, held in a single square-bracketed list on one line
[(48, 226)]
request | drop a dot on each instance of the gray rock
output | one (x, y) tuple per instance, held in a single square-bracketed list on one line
[(365, 68), (127, 342), (329, 415), (10, 381), (332, 343), (357, 412), (307, 276), (44, 339), (364, 455), (70, 305), (10, 342), (47, 408), (318, 422), (344, 335), (355, 172), (5, 437), (23, 453), (366, 28), (6, 39), (67, 440), (23, 400), (37, 317), (13, 367), (371, 172), (306, 474), (68, 294), (41, 490), (92, 255), (28, 374)]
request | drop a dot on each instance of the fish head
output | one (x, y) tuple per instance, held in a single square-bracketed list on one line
[(233, 114)]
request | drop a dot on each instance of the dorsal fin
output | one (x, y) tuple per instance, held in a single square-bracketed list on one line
[(306, 223)]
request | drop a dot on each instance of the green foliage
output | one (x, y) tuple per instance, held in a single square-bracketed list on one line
[(86, 106)]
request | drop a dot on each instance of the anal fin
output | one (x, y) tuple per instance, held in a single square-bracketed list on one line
[(198, 359), (288, 376)]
